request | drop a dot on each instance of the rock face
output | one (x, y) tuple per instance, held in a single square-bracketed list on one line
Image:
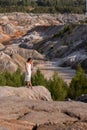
[(18, 112), (12, 57), (9, 29), (17, 24), (69, 47), (2, 47), (25, 53), (6, 63), (37, 93)]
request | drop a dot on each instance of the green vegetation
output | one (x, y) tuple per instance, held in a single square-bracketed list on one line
[(78, 84), (55, 85), (16, 79), (43, 6), (38, 78), (58, 88)]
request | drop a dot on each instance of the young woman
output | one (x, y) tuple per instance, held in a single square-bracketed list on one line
[(28, 65)]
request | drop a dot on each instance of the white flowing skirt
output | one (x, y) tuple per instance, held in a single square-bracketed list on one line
[(28, 77)]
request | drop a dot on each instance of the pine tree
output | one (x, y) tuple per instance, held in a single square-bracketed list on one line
[(16, 78), (78, 84), (57, 87), (2, 80), (38, 78)]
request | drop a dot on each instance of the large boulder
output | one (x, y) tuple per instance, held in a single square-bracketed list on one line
[(82, 98), (36, 93)]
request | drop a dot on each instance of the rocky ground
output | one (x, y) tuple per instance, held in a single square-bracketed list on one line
[(20, 109)]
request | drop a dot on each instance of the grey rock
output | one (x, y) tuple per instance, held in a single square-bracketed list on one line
[(47, 115), (2, 47), (9, 28), (36, 93), (3, 128), (82, 98)]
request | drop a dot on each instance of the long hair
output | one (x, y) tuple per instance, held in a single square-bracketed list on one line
[(28, 59)]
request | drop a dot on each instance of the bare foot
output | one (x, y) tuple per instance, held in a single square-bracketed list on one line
[(31, 87), (28, 87)]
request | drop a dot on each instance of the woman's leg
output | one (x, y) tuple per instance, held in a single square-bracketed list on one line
[(27, 84), (30, 84)]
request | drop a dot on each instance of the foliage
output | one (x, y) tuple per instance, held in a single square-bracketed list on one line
[(57, 87), (38, 78), (43, 6), (2, 79), (78, 84), (16, 79)]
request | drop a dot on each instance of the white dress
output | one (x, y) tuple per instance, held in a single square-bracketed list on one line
[(28, 72)]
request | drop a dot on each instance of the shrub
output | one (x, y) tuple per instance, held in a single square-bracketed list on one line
[(38, 78), (57, 87), (22, 78), (16, 79), (2, 80), (78, 84)]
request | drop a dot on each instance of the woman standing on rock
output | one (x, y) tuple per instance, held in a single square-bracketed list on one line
[(28, 72)]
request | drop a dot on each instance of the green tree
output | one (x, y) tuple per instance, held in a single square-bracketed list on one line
[(16, 78), (8, 78), (49, 6), (78, 84), (22, 79), (38, 78), (2, 80), (57, 87)]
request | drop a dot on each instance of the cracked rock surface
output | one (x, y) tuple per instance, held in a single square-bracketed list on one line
[(19, 113)]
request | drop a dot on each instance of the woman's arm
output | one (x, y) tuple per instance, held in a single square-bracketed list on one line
[(26, 67)]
